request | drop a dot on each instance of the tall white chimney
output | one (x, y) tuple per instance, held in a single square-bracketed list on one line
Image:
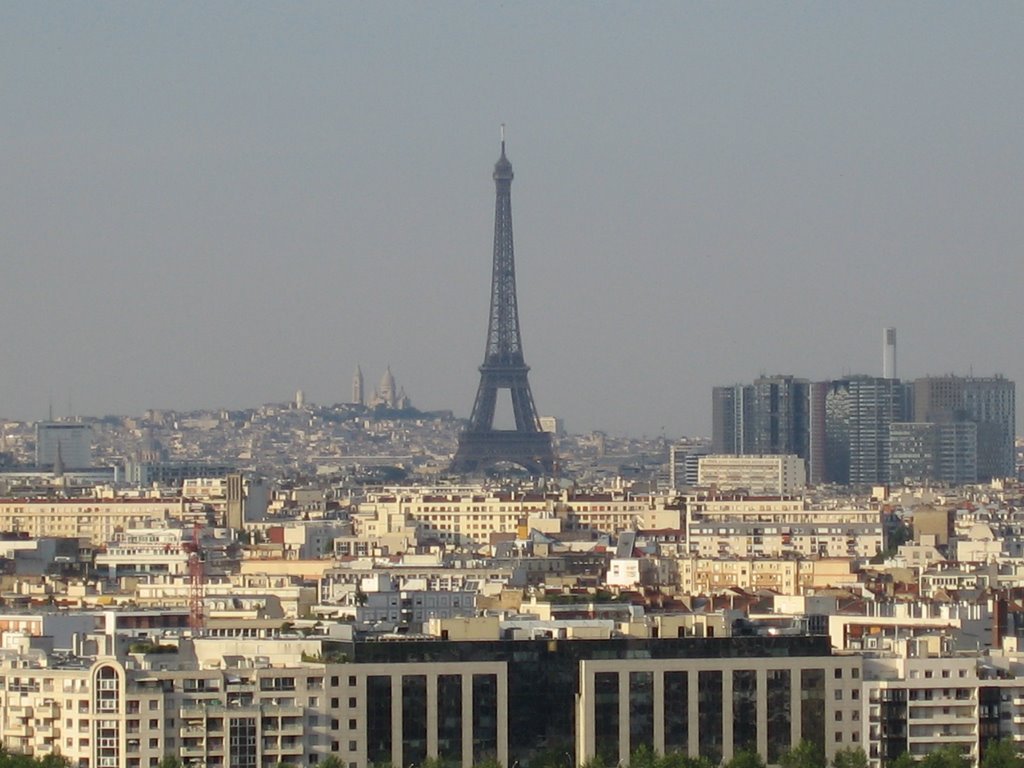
[(889, 353)]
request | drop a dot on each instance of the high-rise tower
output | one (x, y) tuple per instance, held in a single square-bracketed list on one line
[(504, 367)]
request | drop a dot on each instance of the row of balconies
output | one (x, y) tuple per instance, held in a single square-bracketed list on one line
[(201, 711)]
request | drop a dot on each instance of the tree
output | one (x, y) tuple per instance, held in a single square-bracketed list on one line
[(682, 760), (803, 755), (946, 757), (7, 760), (331, 761), (1001, 754), (850, 757), (643, 757), (597, 762), (905, 760), (170, 761), (746, 758)]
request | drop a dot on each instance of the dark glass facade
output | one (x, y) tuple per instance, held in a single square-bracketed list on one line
[(606, 716), (449, 718), (709, 714), (485, 717), (889, 727), (780, 717), (543, 683), (378, 719), (812, 705), (988, 718), (242, 742), (744, 710), (414, 719), (677, 712), (641, 710)]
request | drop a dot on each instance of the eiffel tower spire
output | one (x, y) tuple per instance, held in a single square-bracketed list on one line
[(504, 366)]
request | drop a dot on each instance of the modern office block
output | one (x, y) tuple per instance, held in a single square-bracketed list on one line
[(71, 440), (858, 412), (929, 452), (988, 402)]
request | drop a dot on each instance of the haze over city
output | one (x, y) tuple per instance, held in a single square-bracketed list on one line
[(213, 206)]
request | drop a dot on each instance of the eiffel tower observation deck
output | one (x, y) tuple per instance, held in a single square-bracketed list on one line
[(480, 444)]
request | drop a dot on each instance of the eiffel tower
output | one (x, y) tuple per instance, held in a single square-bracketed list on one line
[(480, 444)]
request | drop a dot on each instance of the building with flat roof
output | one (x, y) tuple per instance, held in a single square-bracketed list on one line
[(779, 474), (71, 440), (235, 702)]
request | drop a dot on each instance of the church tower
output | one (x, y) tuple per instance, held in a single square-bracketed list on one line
[(357, 387)]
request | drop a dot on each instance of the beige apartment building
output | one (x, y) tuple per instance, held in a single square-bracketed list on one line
[(98, 520), (785, 576), (724, 526), (777, 474), (470, 518)]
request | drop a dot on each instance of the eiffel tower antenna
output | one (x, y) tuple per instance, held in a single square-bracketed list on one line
[(504, 367)]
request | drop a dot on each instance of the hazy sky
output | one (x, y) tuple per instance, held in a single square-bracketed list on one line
[(214, 204)]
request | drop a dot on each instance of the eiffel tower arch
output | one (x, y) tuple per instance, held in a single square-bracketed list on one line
[(480, 444)]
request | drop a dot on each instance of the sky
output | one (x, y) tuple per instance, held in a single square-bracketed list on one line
[(216, 204)]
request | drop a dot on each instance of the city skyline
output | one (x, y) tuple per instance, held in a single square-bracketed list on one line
[(214, 208)]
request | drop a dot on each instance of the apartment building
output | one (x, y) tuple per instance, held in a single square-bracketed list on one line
[(95, 519), (919, 703), (780, 474), (471, 518), (774, 527), (784, 576)]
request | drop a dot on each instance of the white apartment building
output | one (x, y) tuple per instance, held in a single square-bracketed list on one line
[(153, 552), (778, 474), (920, 702)]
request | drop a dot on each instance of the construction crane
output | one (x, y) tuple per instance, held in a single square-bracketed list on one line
[(196, 575)]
